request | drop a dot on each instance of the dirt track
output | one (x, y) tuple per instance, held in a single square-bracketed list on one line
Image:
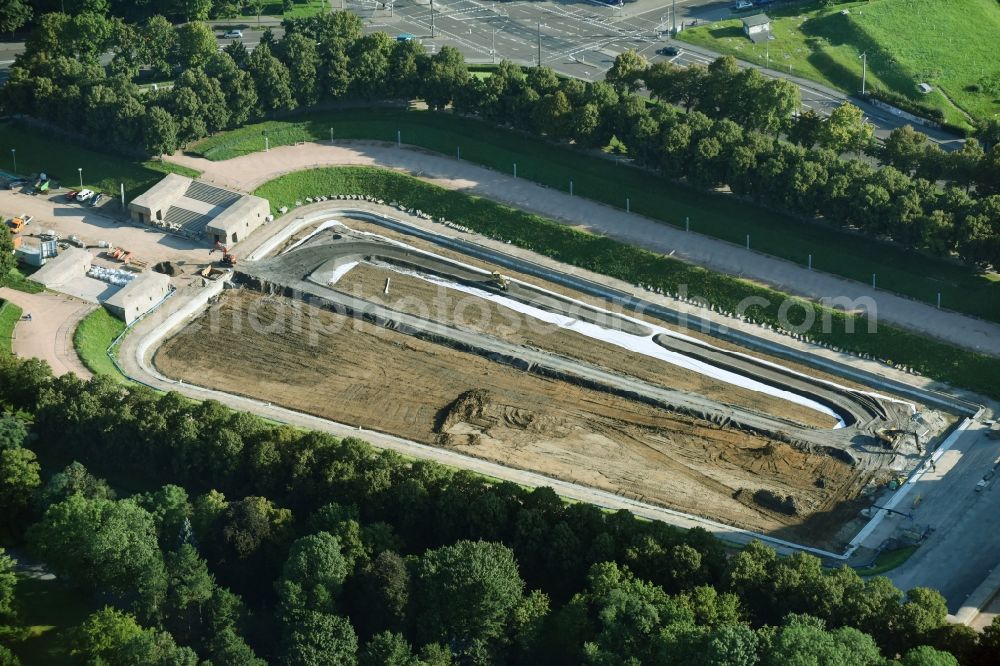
[(49, 334), (346, 370), (250, 171)]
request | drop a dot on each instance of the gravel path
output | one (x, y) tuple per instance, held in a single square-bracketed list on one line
[(250, 171), (49, 334)]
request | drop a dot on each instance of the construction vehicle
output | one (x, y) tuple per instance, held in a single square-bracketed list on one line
[(499, 281), (17, 224), (228, 258)]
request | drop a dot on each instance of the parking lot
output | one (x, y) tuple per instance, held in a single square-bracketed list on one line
[(576, 38)]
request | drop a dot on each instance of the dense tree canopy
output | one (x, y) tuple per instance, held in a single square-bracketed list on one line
[(724, 132), (377, 559)]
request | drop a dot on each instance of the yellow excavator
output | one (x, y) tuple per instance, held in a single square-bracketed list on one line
[(499, 281)]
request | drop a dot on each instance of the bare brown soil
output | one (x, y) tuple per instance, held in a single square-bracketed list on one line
[(410, 294), (355, 373)]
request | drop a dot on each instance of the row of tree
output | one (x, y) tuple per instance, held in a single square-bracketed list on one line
[(343, 554), (723, 127), (15, 14)]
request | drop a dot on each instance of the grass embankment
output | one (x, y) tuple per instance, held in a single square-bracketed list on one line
[(37, 152), (914, 275), (635, 265), (18, 279), (10, 314), (950, 44), (47, 613), (93, 336)]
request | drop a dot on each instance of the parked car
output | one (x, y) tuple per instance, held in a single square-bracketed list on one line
[(741, 5), (669, 51), (84, 194), (97, 199), (405, 37), (72, 194), (232, 34)]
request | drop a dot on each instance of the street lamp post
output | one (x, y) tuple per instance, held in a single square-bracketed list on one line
[(864, 70), (539, 43), (80, 171), (331, 135), (13, 156), (493, 47)]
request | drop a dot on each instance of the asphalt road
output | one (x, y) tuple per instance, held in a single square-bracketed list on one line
[(961, 551)]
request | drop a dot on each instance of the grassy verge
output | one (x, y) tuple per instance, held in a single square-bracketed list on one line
[(638, 266), (907, 42), (93, 336), (170, 167), (18, 279), (47, 612), (10, 314), (888, 560), (600, 179), (40, 152)]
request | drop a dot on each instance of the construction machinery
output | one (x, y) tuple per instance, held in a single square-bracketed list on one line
[(499, 281), (127, 258), (17, 224), (228, 258)]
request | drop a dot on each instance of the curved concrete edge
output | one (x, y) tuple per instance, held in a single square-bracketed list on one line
[(136, 363)]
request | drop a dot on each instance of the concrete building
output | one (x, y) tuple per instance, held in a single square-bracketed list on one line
[(757, 27), (138, 296), (199, 211), (71, 265)]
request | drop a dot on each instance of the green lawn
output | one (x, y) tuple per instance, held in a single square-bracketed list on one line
[(92, 338), (299, 9), (48, 610), (950, 44), (637, 266), (920, 277), (9, 315), (40, 152), (888, 560)]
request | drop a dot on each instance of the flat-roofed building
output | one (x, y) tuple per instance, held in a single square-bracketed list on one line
[(199, 210)]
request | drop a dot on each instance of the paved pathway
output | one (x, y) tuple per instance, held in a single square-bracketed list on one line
[(49, 334), (250, 171)]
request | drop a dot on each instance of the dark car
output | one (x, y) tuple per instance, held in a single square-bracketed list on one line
[(669, 51)]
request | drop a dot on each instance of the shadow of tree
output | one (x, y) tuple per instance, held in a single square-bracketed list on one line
[(726, 31)]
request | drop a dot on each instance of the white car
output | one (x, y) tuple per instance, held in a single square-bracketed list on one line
[(83, 195), (232, 34)]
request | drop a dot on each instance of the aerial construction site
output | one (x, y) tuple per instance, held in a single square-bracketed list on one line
[(371, 322)]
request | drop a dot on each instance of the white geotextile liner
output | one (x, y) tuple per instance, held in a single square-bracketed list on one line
[(341, 271)]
